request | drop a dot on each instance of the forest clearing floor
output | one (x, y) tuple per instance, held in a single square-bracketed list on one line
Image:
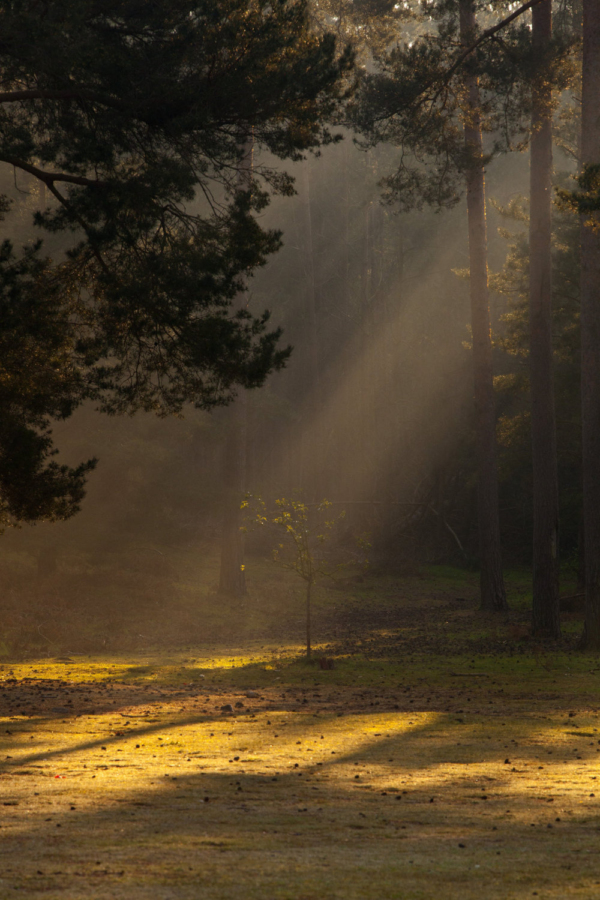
[(228, 772)]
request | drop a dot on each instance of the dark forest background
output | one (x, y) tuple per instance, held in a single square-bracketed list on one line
[(373, 410)]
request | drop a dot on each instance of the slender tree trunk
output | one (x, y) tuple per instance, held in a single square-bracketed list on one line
[(581, 557), (366, 420), (493, 594), (232, 578), (545, 612), (311, 288), (590, 328), (312, 443), (398, 368), (308, 622)]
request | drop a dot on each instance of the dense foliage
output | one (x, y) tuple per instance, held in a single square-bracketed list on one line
[(135, 117), (38, 382), (414, 98)]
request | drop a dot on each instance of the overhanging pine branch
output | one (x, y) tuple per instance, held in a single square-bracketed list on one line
[(82, 94), (489, 33), (50, 178), (445, 78)]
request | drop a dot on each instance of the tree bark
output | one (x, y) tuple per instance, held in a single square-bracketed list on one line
[(232, 578), (493, 594), (311, 289), (545, 610), (308, 622), (590, 328), (312, 439)]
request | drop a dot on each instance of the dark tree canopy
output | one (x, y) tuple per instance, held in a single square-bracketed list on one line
[(414, 96), (135, 115), (38, 382)]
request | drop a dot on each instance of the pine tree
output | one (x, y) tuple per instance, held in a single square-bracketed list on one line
[(590, 325), (232, 576), (39, 382), (545, 608), (427, 98), (130, 116), (493, 593), (416, 101)]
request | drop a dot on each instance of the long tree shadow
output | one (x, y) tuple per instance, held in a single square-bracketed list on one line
[(291, 820), (282, 835)]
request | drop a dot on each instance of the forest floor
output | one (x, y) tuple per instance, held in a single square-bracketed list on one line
[(444, 757)]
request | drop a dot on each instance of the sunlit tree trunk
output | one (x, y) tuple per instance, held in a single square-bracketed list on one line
[(590, 328), (545, 612), (493, 594), (232, 578)]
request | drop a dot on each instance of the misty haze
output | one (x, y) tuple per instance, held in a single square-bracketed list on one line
[(299, 449)]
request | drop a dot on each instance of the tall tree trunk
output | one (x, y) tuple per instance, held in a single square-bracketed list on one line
[(366, 420), (493, 594), (232, 578), (311, 288), (312, 442), (545, 611), (308, 619), (590, 328)]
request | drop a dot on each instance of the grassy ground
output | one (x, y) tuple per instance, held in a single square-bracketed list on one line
[(444, 756)]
